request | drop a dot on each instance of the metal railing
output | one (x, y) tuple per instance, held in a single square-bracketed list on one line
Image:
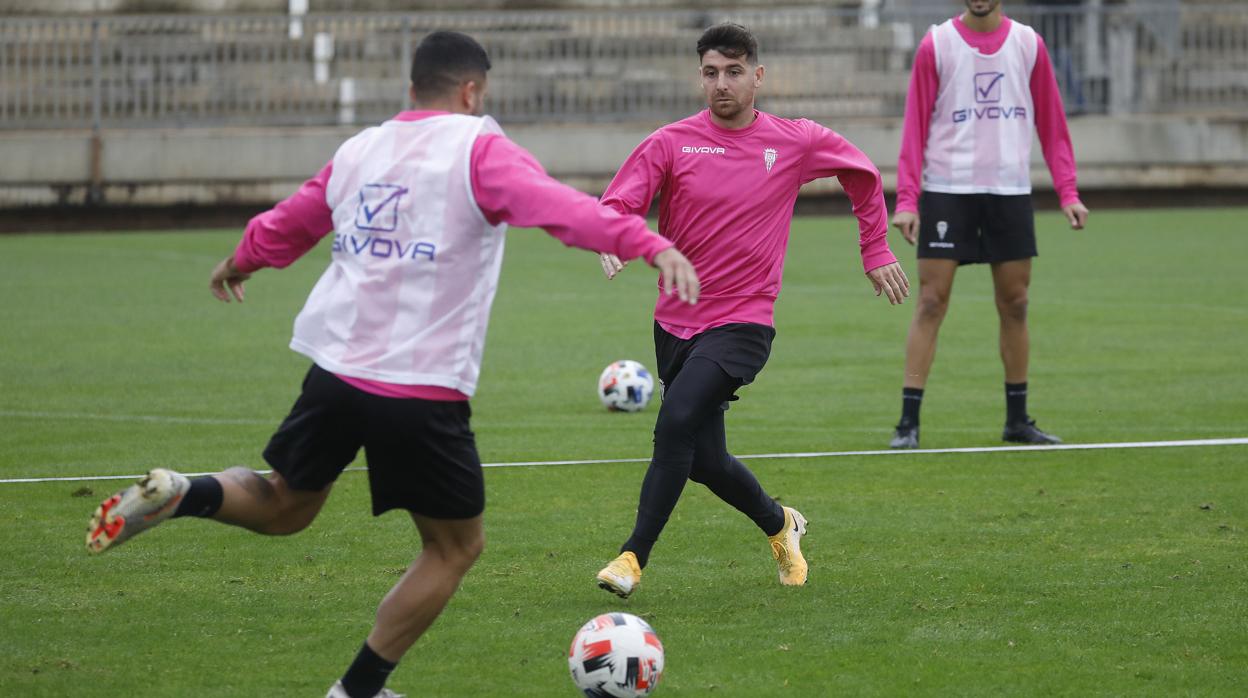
[(145, 71)]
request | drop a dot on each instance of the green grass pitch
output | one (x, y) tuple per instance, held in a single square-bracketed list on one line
[(1116, 572)]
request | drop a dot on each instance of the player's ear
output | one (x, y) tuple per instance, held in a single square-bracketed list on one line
[(474, 96), (758, 76), (468, 96)]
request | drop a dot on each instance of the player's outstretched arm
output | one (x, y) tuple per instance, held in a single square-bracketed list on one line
[(890, 280), (677, 275), (1076, 214), (277, 237), (227, 276)]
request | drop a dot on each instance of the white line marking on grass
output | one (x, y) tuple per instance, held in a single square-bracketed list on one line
[(273, 422), (898, 452), (159, 419), (762, 456)]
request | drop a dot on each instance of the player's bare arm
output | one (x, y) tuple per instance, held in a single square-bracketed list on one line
[(890, 280), (907, 223), (1076, 214), (227, 276)]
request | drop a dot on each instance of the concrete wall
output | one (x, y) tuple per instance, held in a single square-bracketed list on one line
[(80, 7), (238, 166)]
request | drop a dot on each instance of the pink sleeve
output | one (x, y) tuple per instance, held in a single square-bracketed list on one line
[(639, 178), (510, 186), (920, 100), (1051, 126), (830, 155), (284, 233)]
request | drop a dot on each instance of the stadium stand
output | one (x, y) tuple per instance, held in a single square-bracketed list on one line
[(1155, 61)]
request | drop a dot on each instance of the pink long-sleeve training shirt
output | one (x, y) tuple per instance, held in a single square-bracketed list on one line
[(1050, 115), (509, 186), (727, 202)]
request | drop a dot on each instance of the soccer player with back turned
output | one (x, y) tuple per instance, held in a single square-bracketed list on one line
[(727, 180), (981, 84), (396, 328)]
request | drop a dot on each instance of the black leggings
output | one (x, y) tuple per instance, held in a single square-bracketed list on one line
[(689, 444)]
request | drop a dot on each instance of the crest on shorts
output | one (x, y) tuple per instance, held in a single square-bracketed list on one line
[(769, 157), (942, 228)]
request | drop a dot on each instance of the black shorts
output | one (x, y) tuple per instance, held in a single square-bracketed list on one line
[(975, 228), (740, 349), (422, 456)]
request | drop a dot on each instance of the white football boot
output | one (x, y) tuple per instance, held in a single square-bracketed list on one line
[(135, 509)]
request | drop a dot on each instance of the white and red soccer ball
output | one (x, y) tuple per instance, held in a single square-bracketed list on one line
[(616, 655), (625, 386)]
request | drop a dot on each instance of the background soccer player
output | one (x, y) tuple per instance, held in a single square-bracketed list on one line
[(396, 327), (980, 85), (728, 178)]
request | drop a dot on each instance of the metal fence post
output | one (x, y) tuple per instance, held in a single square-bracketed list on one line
[(1121, 43), (95, 189), (405, 56)]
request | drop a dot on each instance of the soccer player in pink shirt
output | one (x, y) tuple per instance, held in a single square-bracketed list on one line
[(727, 179), (395, 329), (981, 84)]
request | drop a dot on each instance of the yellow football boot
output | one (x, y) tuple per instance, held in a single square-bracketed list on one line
[(623, 575), (786, 548)]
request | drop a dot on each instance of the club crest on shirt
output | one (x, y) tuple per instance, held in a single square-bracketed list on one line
[(769, 157)]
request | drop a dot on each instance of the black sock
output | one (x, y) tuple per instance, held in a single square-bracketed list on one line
[(203, 499), (367, 674), (911, 401), (1015, 403)]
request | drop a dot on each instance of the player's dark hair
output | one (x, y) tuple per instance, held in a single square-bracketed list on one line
[(445, 60), (730, 39)]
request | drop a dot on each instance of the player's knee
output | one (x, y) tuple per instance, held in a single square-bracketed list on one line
[(459, 553), (933, 305), (463, 553), (706, 467), (1013, 306), (675, 423), (469, 547), (472, 549)]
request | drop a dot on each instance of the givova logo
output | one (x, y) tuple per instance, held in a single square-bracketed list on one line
[(989, 113), (378, 212), (988, 87), (702, 149), (988, 92), (378, 208), (383, 248)]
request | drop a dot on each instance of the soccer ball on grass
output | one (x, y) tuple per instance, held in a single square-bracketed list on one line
[(625, 386), (616, 655)]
